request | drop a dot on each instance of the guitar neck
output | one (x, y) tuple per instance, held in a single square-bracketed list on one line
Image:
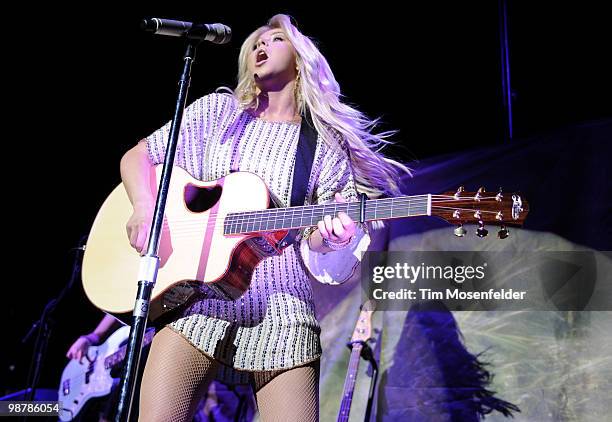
[(349, 383), (116, 358), (308, 215)]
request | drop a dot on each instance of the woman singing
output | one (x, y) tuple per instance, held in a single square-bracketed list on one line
[(269, 337)]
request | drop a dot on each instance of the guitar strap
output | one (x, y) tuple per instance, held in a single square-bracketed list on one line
[(304, 157)]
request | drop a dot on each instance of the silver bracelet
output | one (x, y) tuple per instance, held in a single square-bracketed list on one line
[(334, 246)]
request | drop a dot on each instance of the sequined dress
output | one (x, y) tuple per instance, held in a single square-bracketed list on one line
[(273, 325)]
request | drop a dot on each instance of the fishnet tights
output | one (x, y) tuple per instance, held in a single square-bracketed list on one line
[(177, 375), (290, 395)]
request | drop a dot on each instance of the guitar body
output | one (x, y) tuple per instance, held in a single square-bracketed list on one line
[(90, 378), (193, 248)]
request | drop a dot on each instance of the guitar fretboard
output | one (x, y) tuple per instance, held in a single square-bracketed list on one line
[(349, 383), (308, 215), (119, 355)]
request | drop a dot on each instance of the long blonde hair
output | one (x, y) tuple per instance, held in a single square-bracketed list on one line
[(318, 92)]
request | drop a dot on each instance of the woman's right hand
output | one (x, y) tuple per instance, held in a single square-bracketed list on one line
[(139, 225)]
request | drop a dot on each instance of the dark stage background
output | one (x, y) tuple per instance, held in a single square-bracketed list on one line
[(93, 85)]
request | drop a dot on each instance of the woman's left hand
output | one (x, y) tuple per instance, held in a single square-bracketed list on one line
[(338, 229)]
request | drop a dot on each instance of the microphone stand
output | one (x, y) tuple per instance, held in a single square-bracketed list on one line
[(44, 324), (150, 261)]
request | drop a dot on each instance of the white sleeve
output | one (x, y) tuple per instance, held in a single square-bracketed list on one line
[(336, 267), (199, 123)]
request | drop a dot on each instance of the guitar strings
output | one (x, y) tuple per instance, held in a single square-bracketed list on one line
[(270, 216), (187, 230), (354, 206)]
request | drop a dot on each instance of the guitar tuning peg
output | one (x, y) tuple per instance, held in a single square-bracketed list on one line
[(503, 232), (499, 195), (478, 195), (458, 193), (481, 231), (460, 231)]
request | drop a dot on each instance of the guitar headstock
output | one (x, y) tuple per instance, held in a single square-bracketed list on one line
[(498, 209), (363, 328)]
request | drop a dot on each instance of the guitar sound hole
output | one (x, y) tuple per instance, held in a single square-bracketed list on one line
[(200, 199)]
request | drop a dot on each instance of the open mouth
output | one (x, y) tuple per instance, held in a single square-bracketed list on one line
[(261, 57)]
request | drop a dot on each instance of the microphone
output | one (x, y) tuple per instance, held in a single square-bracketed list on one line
[(216, 32)]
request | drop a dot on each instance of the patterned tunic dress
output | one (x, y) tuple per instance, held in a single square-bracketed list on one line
[(273, 325)]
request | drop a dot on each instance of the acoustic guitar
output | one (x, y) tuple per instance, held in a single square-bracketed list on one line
[(216, 232)]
